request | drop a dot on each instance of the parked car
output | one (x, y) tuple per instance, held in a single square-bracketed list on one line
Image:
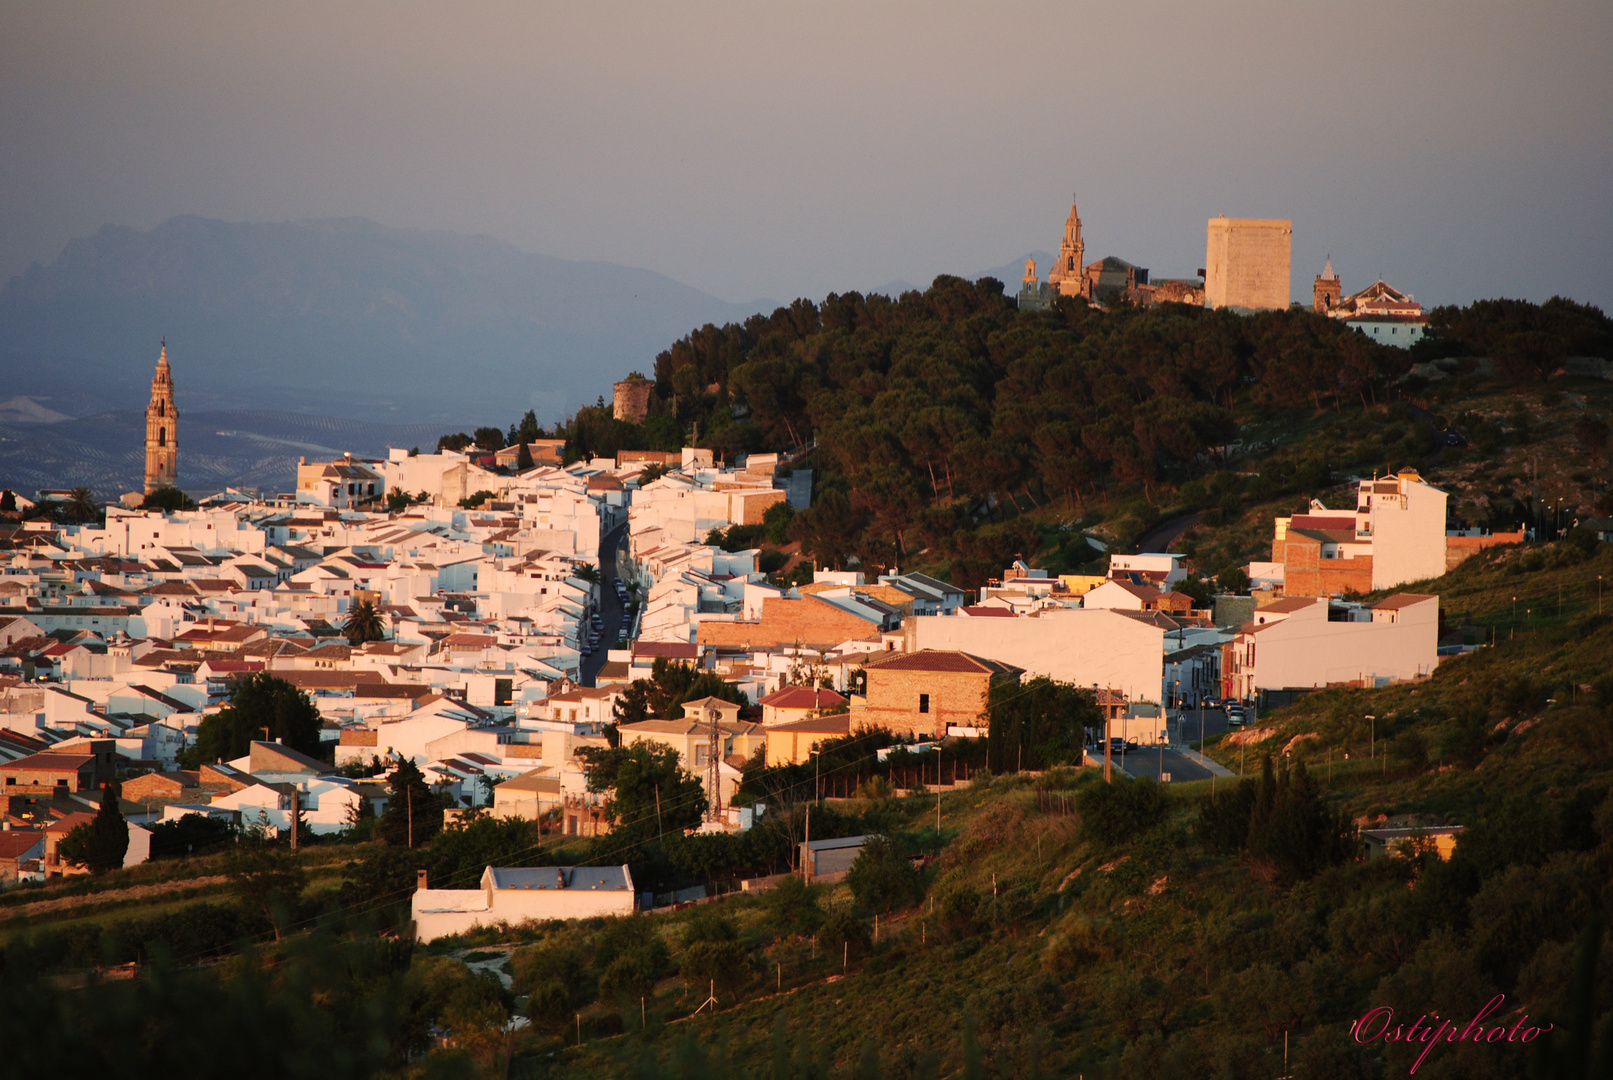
[(1117, 745), (1235, 715)]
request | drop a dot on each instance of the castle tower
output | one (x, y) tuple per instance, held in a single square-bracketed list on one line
[(162, 424), (1327, 290), (1066, 275)]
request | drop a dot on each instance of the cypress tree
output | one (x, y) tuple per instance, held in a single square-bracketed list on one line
[(109, 834)]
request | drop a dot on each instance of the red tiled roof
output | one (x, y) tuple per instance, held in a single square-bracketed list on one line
[(672, 650), (976, 611), (15, 843), (1402, 600), (837, 724), (941, 660), (51, 761), (802, 697), (69, 823)]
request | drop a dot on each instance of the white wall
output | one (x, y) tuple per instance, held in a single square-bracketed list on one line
[(1408, 542), (443, 912), (1070, 645), (1305, 650)]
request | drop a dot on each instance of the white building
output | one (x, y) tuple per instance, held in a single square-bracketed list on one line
[(1310, 642), (527, 894), (344, 483), (1101, 647), (1162, 569)]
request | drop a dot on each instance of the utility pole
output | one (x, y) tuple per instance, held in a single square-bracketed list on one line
[(806, 847), (714, 764), (294, 811), (1108, 765), (409, 802)]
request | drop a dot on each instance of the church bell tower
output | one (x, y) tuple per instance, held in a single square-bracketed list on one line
[(1067, 274), (162, 422)]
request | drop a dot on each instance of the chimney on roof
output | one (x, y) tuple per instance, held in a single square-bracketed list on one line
[(420, 880)]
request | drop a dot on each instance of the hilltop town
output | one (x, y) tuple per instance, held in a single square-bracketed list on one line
[(482, 695)]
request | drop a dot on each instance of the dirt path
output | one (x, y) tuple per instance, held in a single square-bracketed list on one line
[(134, 892)]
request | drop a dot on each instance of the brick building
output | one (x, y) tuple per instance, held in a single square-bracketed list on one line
[(811, 620), (49, 771), (925, 693)]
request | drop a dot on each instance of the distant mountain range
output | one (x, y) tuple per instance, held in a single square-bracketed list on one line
[(340, 317), (402, 334)]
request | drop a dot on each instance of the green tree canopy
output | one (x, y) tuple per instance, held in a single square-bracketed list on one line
[(650, 793), (261, 706), (882, 878), (1039, 722), (670, 684), (102, 843), (413, 812), (168, 499)]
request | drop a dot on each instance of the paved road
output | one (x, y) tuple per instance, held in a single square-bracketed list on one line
[(1197, 724), (1160, 537), (610, 609), (1182, 763)]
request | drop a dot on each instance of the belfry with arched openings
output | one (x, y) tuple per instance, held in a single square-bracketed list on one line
[(162, 423)]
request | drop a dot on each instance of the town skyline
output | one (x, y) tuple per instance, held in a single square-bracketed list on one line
[(1480, 186)]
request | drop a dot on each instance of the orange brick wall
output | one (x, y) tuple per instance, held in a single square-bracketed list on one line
[(753, 506), (956, 697), (785, 621), (1459, 548), (1306, 573)]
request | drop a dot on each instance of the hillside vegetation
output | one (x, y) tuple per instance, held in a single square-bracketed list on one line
[(1055, 926), (949, 431)]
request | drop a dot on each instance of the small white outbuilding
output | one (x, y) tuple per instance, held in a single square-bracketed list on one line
[(515, 895)]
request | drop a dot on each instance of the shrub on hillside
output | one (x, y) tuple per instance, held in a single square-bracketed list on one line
[(551, 977), (722, 966), (844, 933), (792, 907), (1113, 813), (882, 878)]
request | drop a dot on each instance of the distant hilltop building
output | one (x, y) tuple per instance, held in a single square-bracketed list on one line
[(631, 401), (1380, 311), (162, 429), (1246, 263), (1103, 281)]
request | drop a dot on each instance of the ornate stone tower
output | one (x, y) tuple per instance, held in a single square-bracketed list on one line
[(162, 423), (1066, 275), (1326, 292)]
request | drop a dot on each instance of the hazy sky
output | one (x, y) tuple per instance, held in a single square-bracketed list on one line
[(1460, 149)]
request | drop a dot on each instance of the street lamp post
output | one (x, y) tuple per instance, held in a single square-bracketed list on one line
[(1372, 744)]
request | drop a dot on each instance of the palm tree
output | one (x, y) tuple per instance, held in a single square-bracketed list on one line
[(81, 506), (365, 622)]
